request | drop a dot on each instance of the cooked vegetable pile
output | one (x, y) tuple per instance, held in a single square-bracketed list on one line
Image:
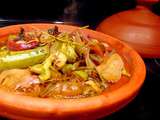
[(49, 63)]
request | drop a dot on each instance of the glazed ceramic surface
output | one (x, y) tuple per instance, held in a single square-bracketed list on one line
[(138, 27)]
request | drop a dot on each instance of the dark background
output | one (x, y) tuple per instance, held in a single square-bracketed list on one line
[(91, 12), (82, 11)]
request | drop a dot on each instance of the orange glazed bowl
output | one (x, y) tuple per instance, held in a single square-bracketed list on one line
[(113, 98)]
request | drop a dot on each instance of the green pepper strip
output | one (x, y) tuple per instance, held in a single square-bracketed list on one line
[(23, 59), (43, 69)]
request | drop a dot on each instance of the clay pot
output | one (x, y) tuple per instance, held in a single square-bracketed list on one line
[(138, 27), (31, 108)]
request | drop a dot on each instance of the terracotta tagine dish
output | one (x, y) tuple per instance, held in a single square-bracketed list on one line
[(138, 27), (25, 107)]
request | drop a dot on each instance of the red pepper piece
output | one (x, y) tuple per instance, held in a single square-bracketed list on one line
[(21, 45)]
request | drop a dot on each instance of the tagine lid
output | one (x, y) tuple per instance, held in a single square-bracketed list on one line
[(139, 27)]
